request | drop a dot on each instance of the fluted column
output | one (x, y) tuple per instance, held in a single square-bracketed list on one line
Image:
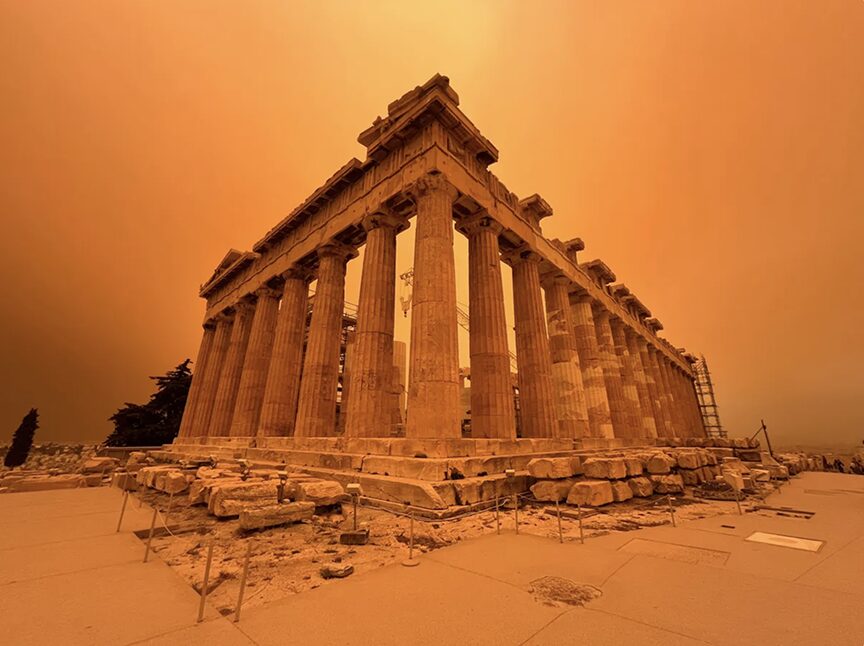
[(584, 331), (316, 408), (662, 392), (536, 394), (570, 404), (371, 372), (653, 385), (232, 369), (672, 404), (283, 377), (204, 409), (433, 381), (646, 402), (194, 395), (684, 402), (256, 364), (492, 411), (611, 373), (628, 378)]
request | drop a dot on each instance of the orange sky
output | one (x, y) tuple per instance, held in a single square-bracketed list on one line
[(712, 153)]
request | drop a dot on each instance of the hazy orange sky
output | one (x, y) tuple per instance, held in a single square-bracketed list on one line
[(712, 153)]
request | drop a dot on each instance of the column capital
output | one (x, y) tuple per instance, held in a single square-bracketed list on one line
[(266, 291), (430, 183), (384, 219), (337, 249), (522, 253), (600, 312), (224, 316), (297, 272), (555, 278), (478, 222)]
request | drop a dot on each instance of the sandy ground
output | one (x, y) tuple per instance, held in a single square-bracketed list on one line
[(288, 560)]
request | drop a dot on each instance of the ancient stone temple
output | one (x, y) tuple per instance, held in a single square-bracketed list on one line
[(274, 381)]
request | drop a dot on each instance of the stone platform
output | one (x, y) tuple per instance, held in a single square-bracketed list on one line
[(427, 474)]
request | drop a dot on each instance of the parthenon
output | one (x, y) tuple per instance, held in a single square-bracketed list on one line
[(272, 379)]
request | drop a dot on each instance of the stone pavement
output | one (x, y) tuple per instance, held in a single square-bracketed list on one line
[(699, 583)]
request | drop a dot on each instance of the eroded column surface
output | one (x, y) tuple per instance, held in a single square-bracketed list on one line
[(612, 374), (671, 402), (584, 331), (654, 356), (283, 378), (232, 369), (492, 411), (570, 403), (371, 372), (693, 398), (646, 402), (316, 408), (433, 380), (201, 360), (210, 383), (256, 364), (628, 378), (653, 386), (536, 394)]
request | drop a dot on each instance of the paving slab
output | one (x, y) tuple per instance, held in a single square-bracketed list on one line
[(595, 628), (430, 604), (725, 607)]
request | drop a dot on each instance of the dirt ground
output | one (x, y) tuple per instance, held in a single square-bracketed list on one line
[(288, 560)]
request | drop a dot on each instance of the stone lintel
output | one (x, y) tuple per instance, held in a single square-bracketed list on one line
[(654, 325), (534, 208), (599, 271)]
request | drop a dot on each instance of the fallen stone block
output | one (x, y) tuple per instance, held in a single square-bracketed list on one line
[(551, 468), (552, 490), (689, 477), (642, 487), (659, 463), (174, 482), (621, 491), (608, 468), (124, 481), (92, 479), (591, 493), (635, 467), (321, 493), (275, 514), (46, 483), (99, 465), (336, 571), (688, 460), (230, 499), (671, 483)]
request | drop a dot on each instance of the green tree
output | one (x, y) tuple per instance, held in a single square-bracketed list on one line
[(157, 421), (22, 440)]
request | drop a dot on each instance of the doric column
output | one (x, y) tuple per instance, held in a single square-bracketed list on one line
[(232, 369), (628, 377), (371, 371), (492, 411), (256, 364), (611, 373), (570, 404), (536, 394), (672, 403), (584, 331), (433, 380), (283, 377), (684, 402), (654, 356), (653, 386), (197, 378), (646, 402), (207, 396), (316, 408)]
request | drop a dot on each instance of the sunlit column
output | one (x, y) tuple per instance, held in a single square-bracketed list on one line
[(204, 409), (194, 395), (232, 369)]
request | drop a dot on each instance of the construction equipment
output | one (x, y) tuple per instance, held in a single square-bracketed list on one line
[(707, 402)]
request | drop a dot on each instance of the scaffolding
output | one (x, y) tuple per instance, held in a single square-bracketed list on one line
[(707, 401)]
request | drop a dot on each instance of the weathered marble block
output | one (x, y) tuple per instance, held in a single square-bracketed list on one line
[(591, 493), (275, 514)]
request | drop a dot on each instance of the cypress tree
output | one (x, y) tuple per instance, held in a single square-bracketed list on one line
[(22, 441)]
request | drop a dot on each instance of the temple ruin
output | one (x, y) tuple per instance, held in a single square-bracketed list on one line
[(284, 377)]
